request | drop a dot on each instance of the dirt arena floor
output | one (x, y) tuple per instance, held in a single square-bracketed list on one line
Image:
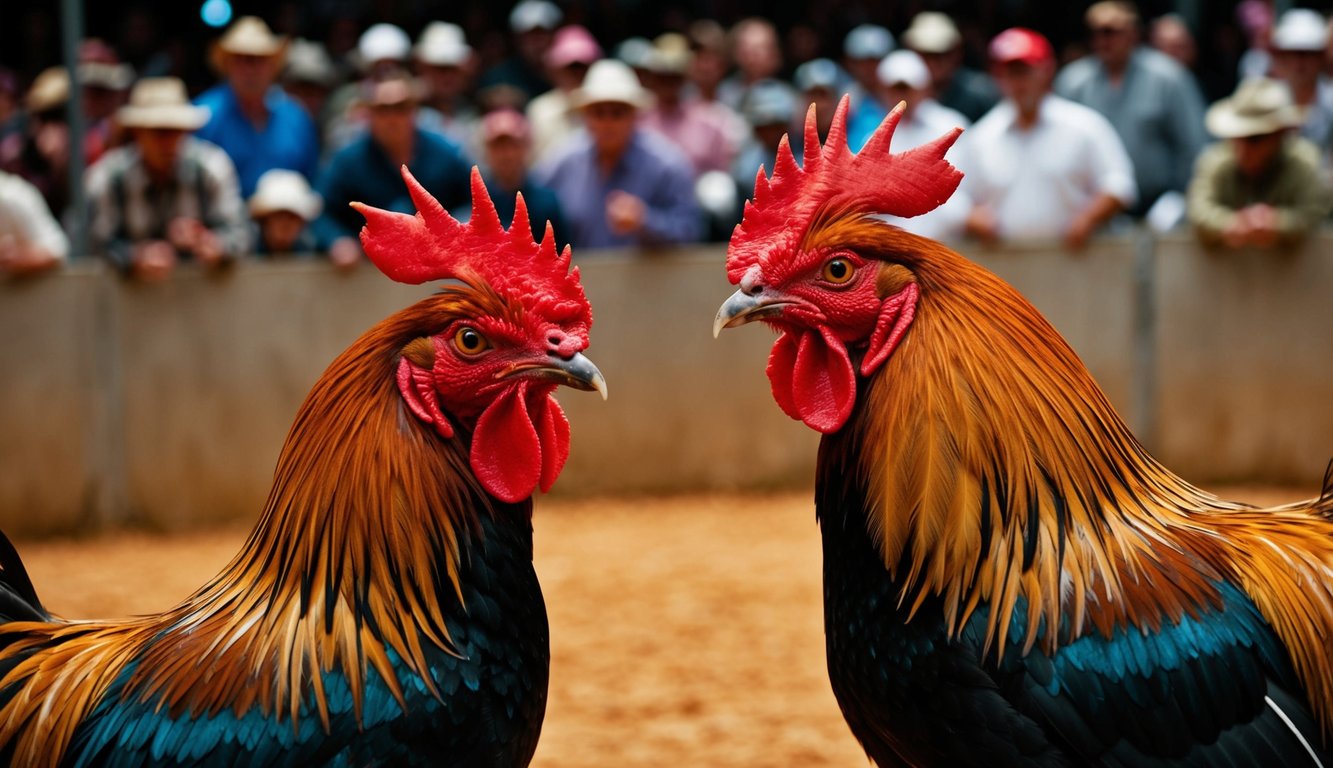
[(684, 631)]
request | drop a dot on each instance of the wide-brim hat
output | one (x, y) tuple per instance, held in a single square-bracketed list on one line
[(50, 90), (442, 45), (113, 77), (249, 36), (932, 32), (280, 189), (161, 102), (611, 80), (1259, 106)]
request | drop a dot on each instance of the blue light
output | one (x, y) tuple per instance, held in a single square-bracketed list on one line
[(215, 13)]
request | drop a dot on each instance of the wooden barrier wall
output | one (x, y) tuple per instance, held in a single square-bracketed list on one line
[(166, 405)]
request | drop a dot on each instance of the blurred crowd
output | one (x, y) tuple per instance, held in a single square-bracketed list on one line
[(645, 142)]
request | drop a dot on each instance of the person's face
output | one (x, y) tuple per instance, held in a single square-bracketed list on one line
[(160, 147), (1174, 40), (770, 134), (507, 156), (533, 43), (862, 70), (443, 82), (1298, 67), (1024, 84), (1113, 43), (610, 124), (708, 67), (666, 86), (943, 65), (826, 103), (896, 92), (251, 76), (280, 230), (570, 76), (1254, 154), (757, 53), (392, 124), (99, 103)]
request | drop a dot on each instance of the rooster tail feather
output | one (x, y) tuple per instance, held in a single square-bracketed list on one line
[(18, 598)]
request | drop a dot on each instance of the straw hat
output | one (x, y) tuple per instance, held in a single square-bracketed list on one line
[(50, 90), (160, 102), (442, 45), (1259, 106), (282, 190), (670, 55), (610, 80), (249, 36), (932, 32)]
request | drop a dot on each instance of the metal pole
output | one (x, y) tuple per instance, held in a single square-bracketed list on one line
[(71, 27)]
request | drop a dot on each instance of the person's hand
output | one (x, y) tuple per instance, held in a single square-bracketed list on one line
[(153, 260), (22, 258), (982, 224), (182, 232), (1262, 220), (1080, 229), (345, 253), (624, 212)]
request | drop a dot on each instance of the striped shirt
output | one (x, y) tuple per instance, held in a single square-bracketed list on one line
[(128, 207)]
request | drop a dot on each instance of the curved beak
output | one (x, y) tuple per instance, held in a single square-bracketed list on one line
[(577, 372), (742, 308)]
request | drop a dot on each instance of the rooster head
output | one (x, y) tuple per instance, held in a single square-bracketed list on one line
[(812, 260), (509, 331)]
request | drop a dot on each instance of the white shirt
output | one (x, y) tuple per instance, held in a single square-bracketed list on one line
[(928, 120), (25, 217), (1037, 180)]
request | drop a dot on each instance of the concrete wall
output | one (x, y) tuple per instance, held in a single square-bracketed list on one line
[(166, 405)]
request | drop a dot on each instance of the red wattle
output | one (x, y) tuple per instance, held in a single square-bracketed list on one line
[(813, 379), (553, 429), (506, 449)]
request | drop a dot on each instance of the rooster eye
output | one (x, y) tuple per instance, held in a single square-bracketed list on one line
[(470, 342), (838, 270)]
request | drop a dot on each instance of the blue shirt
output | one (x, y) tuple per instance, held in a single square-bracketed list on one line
[(362, 172), (650, 168), (288, 139)]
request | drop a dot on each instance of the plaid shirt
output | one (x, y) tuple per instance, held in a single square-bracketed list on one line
[(127, 207)]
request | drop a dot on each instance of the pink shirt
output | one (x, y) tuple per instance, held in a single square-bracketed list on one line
[(699, 130)]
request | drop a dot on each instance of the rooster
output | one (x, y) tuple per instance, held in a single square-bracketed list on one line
[(384, 611), (1009, 577)]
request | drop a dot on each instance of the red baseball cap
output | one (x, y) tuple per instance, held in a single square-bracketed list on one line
[(1019, 44)]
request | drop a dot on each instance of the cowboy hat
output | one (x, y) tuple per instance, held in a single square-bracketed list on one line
[(1259, 106), (610, 80), (160, 102)]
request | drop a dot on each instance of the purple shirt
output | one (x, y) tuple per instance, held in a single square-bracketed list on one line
[(651, 169)]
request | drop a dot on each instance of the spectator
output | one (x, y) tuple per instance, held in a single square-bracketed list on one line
[(621, 185), (696, 129), (904, 77), (1170, 34), (282, 208), (863, 48), (820, 82), (1262, 184), (1299, 41), (1038, 165), (310, 77), (167, 195), (552, 115), (31, 240), (255, 122), (708, 68), (105, 84), (771, 115), (506, 138), (1153, 103), (519, 78), (635, 52), (936, 38), (444, 66), (40, 154), (381, 51), (1255, 18), (369, 168), (754, 46)]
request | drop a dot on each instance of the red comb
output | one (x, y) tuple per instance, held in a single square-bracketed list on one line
[(833, 178), (432, 245)]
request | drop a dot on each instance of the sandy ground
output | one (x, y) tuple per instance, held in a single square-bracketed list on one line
[(685, 631)]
